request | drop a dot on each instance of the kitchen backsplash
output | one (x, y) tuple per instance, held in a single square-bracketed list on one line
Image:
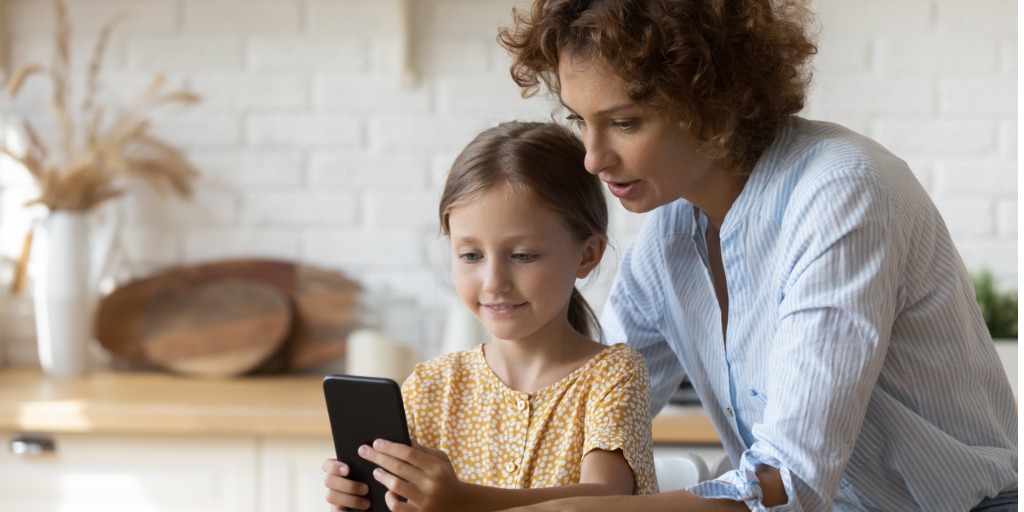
[(313, 148)]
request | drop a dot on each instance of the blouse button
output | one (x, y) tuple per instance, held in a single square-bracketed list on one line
[(510, 467), (520, 404), (729, 410)]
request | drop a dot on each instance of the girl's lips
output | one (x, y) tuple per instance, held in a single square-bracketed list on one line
[(622, 190), (502, 309)]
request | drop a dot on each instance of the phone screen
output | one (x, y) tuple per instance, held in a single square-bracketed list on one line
[(362, 409)]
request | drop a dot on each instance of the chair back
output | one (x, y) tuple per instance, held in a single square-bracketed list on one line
[(723, 467), (676, 472)]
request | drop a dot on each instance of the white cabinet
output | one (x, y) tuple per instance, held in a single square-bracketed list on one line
[(107, 473), (104, 473), (290, 475), (138, 473)]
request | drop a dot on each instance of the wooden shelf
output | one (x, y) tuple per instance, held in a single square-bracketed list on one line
[(684, 425), (164, 404), (160, 403)]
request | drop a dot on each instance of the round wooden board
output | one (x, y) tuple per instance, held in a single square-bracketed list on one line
[(324, 309), (218, 329)]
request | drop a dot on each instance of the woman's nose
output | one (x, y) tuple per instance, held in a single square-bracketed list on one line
[(599, 155)]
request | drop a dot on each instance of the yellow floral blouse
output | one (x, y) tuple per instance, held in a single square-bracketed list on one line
[(500, 437)]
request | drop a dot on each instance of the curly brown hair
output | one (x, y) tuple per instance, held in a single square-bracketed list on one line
[(732, 70)]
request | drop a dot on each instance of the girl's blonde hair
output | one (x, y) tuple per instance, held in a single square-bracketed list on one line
[(542, 161)]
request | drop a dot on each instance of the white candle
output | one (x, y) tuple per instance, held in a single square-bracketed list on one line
[(371, 353)]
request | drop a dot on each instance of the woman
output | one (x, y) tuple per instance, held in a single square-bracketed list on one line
[(794, 270)]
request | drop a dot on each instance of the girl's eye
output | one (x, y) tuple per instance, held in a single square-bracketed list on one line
[(524, 258), (471, 256)]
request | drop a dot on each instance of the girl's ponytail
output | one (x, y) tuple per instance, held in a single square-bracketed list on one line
[(582, 317)]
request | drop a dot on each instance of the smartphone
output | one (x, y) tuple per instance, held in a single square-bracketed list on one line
[(360, 410)]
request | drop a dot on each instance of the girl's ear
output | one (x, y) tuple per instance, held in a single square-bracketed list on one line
[(593, 251)]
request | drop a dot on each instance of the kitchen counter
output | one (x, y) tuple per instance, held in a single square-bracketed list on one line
[(268, 406)]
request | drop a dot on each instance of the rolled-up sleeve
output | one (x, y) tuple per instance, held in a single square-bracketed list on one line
[(742, 485)]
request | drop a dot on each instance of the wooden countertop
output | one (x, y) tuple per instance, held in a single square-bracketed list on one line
[(163, 404)]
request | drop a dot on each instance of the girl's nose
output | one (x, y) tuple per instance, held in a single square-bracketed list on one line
[(496, 279)]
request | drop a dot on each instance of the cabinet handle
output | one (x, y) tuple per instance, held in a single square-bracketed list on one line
[(32, 445)]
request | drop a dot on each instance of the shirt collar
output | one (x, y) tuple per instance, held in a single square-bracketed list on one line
[(764, 173)]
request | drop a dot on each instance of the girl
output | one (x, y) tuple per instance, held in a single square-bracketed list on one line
[(542, 410), (796, 271)]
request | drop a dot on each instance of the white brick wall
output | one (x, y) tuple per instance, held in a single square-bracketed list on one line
[(936, 82), (311, 148)]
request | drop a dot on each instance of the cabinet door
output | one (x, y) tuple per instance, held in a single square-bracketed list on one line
[(92, 473), (290, 476)]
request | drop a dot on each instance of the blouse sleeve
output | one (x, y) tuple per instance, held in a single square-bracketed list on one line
[(617, 420), (631, 314)]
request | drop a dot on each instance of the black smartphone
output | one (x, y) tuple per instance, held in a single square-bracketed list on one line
[(362, 409)]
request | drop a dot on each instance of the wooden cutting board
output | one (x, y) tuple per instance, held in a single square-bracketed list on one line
[(219, 329), (324, 308)]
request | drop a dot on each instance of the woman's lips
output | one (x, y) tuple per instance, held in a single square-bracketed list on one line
[(622, 190)]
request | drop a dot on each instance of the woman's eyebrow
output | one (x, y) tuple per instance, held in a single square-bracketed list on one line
[(605, 111)]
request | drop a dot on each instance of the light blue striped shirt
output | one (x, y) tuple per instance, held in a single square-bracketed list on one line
[(857, 361)]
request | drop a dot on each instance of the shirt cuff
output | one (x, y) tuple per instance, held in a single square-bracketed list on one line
[(742, 485)]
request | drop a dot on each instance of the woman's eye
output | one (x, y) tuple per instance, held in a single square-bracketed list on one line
[(524, 258), (471, 256), (575, 120), (627, 124)]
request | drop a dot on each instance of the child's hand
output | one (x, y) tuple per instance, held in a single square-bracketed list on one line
[(423, 476), (342, 493)]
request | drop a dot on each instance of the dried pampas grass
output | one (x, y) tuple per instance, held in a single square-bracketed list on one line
[(92, 155)]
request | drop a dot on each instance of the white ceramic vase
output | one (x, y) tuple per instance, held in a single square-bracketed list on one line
[(65, 292)]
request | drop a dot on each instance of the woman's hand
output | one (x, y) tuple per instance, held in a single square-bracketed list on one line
[(343, 494), (423, 476)]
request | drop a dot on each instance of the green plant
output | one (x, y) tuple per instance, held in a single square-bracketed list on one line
[(999, 308)]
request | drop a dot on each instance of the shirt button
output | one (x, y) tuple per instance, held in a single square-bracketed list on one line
[(520, 404), (729, 410), (510, 466)]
